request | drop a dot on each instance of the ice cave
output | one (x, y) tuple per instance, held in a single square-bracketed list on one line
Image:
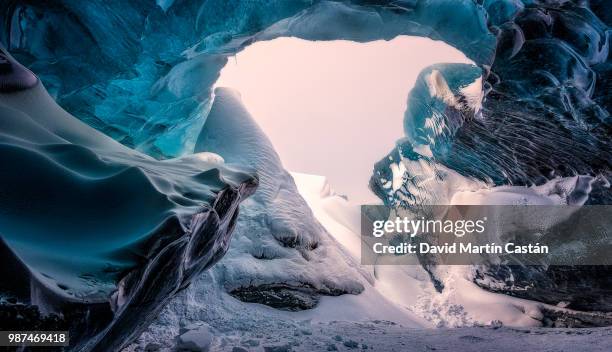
[(146, 204)]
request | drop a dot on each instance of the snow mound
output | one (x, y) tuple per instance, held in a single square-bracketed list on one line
[(281, 256)]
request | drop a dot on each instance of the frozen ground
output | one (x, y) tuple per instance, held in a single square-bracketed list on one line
[(223, 327), (380, 335)]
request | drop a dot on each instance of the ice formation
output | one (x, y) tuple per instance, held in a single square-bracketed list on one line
[(140, 71), (97, 234), (539, 120), (534, 109)]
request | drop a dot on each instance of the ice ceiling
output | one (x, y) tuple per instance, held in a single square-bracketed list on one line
[(130, 70), (152, 71)]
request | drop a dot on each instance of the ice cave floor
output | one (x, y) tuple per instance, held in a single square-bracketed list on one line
[(377, 335)]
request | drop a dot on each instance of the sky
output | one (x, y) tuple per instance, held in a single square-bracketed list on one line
[(333, 108)]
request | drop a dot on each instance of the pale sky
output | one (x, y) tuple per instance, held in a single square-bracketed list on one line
[(333, 108)]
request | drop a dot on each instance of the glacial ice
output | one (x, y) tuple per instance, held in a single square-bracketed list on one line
[(110, 76), (142, 71), (544, 116), (95, 231), (152, 42)]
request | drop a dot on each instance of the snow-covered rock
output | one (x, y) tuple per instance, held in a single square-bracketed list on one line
[(195, 339)]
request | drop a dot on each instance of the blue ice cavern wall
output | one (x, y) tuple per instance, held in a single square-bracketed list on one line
[(142, 74)]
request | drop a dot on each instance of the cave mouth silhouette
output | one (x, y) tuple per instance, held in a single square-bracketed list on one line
[(332, 108)]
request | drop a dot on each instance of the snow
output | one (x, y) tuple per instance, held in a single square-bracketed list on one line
[(387, 306), (408, 287), (398, 309), (196, 338), (474, 95), (559, 191), (384, 335), (439, 88), (277, 239), (39, 137)]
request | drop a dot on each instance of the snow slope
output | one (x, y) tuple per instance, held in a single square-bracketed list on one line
[(462, 302)]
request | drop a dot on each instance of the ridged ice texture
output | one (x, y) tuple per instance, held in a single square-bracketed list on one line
[(544, 113), (92, 223), (15, 77)]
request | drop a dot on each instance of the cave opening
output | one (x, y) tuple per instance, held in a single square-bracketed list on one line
[(333, 108)]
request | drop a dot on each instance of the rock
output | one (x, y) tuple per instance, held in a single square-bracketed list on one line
[(351, 344), (152, 347), (196, 340), (282, 348)]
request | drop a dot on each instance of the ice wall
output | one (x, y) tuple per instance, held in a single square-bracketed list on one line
[(96, 237)]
